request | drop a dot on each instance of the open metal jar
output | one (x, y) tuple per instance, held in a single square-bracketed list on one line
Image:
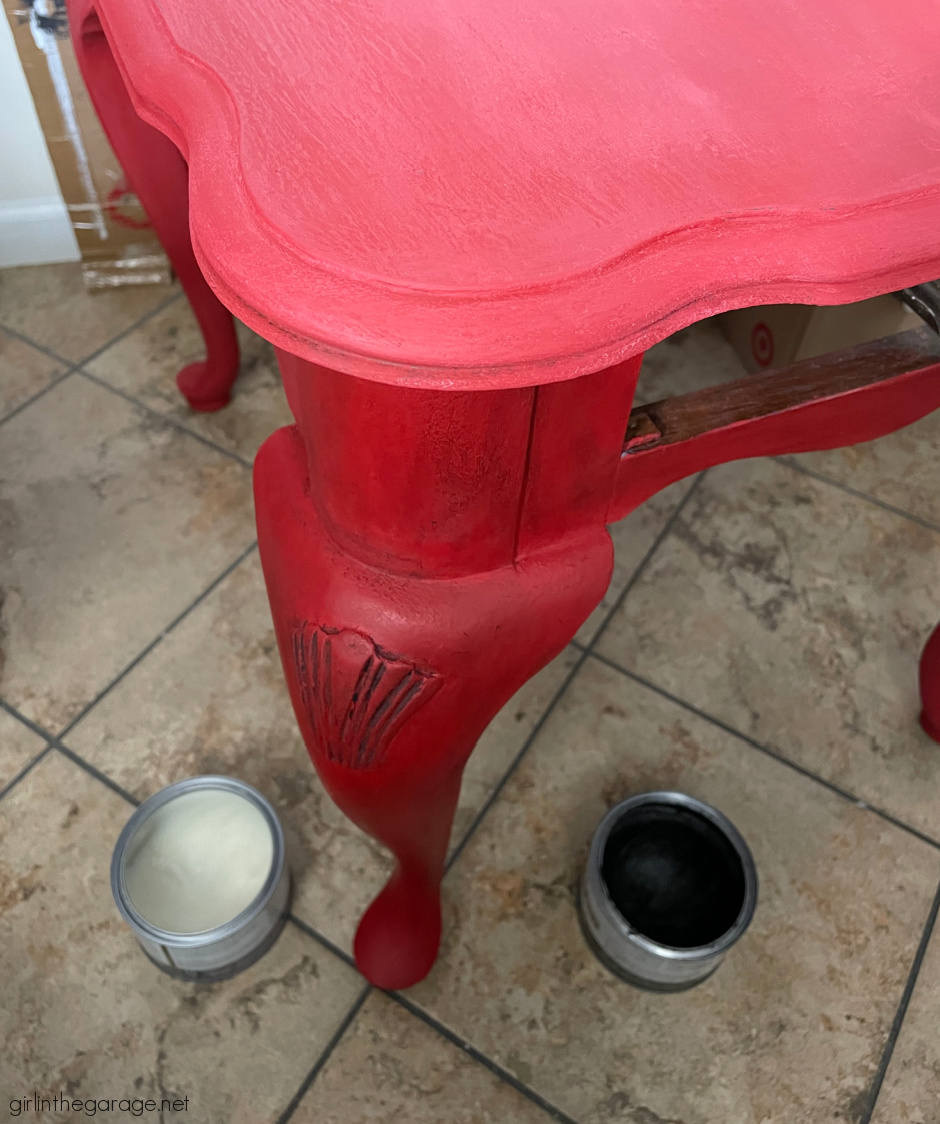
[(199, 873), (670, 886)]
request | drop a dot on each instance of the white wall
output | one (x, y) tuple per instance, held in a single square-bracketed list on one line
[(34, 224)]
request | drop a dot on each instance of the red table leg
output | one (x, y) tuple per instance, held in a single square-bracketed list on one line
[(425, 553), (159, 177)]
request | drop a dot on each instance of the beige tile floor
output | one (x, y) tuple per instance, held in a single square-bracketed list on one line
[(758, 648)]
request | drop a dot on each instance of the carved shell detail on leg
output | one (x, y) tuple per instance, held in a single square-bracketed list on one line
[(356, 695)]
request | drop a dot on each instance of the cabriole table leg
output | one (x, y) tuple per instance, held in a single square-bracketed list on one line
[(157, 173), (425, 553)]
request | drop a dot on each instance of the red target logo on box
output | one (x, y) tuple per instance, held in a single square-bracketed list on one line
[(119, 197), (762, 344)]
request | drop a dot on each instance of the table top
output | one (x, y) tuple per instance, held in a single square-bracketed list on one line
[(481, 193)]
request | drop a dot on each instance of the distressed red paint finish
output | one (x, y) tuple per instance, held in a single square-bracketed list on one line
[(461, 225), (482, 194), (462, 564)]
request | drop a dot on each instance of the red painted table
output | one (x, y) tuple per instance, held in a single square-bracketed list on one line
[(461, 224)]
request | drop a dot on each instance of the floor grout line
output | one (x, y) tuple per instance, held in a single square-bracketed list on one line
[(51, 385), (34, 726), (478, 1056), (513, 765), (543, 718), (157, 640), (899, 1015), (657, 542), (786, 462), (125, 332), (55, 741), (74, 366), (48, 351), (26, 770), (306, 927), (324, 1057), (77, 759), (53, 744), (761, 747), (165, 418), (437, 1026)]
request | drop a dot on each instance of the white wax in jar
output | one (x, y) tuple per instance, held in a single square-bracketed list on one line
[(199, 860)]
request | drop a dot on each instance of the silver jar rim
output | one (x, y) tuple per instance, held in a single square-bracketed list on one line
[(143, 813), (598, 887)]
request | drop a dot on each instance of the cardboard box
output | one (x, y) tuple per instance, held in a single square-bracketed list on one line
[(780, 334), (117, 243)]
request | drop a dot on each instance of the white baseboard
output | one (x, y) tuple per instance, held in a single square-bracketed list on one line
[(35, 231)]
